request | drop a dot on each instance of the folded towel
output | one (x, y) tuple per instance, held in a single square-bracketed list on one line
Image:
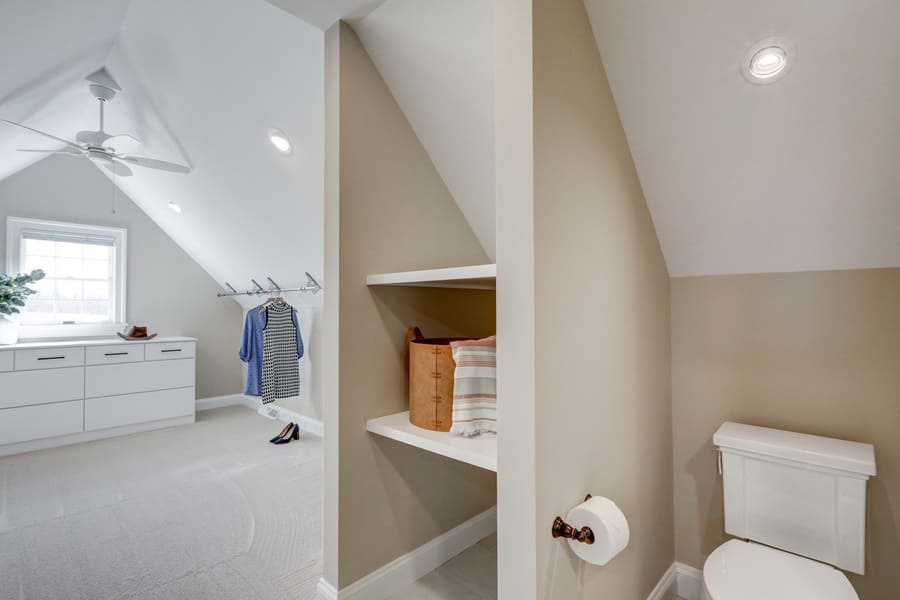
[(475, 386)]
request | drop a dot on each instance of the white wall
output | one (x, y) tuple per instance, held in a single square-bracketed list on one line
[(167, 290)]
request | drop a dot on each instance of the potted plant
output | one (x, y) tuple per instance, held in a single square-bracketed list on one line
[(14, 291)]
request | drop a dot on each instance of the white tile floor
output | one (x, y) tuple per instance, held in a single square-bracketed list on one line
[(210, 510)]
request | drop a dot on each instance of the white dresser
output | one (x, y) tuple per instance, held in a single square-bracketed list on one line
[(58, 393)]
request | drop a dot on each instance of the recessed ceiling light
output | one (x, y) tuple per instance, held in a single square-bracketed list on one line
[(176, 208), (768, 61), (280, 141)]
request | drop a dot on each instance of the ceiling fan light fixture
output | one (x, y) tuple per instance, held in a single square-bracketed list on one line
[(768, 61), (281, 142), (175, 207)]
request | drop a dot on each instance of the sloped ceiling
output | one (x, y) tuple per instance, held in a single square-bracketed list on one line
[(219, 85), (325, 13), (798, 175), (437, 58), (202, 83), (802, 174), (47, 46)]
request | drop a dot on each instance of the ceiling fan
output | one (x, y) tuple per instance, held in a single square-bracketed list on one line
[(100, 146)]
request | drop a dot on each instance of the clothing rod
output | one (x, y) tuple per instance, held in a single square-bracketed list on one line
[(312, 287), (309, 289)]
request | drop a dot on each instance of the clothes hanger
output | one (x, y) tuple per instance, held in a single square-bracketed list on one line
[(272, 300)]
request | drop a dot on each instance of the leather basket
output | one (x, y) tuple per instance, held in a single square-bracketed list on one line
[(431, 370)]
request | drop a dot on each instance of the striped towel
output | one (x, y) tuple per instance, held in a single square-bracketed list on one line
[(475, 386)]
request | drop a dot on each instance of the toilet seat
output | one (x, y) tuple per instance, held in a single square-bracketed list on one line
[(739, 570)]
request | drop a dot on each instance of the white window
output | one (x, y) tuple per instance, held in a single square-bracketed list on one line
[(84, 290)]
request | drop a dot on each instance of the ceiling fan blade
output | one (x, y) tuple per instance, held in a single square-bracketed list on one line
[(122, 142), (124, 137), (68, 151), (52, 137), (152, 163), (118, 169)]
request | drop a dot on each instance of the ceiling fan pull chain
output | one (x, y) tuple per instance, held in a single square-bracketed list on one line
[(114, 184)]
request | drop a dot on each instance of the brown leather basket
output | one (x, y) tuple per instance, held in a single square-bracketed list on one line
[(431, 370)]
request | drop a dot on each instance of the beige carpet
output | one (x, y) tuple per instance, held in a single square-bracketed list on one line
[(210, 510)]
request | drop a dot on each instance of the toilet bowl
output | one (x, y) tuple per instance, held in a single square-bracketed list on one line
[(739, 570)]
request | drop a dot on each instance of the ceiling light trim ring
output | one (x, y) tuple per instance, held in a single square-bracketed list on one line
[(768, 60)]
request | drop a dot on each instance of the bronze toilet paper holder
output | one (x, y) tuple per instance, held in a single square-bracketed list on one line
[(561, 529)]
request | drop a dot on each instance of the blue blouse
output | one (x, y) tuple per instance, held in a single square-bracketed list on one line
[(252, 347)]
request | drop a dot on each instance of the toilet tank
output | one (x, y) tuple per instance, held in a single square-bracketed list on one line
[(802, 493)]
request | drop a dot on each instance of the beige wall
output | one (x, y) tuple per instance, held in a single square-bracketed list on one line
[(817, 353), (388, 211), (603, 403), (167, 290)]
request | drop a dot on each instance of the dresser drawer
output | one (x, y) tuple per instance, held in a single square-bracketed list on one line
[(170, 351), (133, 378), (43, 421), (24, 388), (49, 358), (7, 361), (119, 353), (116, 411)]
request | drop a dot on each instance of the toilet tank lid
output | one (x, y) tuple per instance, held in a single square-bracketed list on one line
[(830, 453)]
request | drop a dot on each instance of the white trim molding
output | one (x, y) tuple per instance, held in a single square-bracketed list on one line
[(285, 415), (679, 580), (221, 402), (396, 575), (326, 591), (667, 586), (115, 237), (689, 581)]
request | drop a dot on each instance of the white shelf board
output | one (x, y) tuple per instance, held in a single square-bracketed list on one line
[(475, 277), (480, 451)]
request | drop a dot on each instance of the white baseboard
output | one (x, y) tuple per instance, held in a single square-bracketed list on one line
[(689, 581), (679, 579), (326, 591), (307, 424), (667, 586), (396, 575), (221, 402), (91, 436), (285, 415)]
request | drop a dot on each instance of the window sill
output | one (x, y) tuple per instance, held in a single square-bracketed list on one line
[(80, 330)]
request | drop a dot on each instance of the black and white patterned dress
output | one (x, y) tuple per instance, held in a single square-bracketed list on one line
[(280, 369)]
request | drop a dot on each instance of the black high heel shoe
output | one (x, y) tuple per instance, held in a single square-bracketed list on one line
[(287, 429), (293, 435)]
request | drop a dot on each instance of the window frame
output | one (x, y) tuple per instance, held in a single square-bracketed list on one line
[(14, 228)]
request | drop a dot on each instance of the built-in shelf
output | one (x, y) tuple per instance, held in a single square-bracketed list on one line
[(475, 277), (480, 451)]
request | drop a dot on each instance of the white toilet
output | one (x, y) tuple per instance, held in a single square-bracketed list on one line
[(798, 504)]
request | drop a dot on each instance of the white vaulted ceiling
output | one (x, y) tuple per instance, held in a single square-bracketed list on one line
[(202, 81), (220, 75), (437, 58), (325, 13), (46, 46), (802, 174), (799, 175)]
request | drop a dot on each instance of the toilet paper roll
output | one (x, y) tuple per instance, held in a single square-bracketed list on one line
[(610, 527)]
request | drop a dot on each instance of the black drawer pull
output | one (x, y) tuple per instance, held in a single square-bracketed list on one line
[(51, 357), (116, 354), (172, 350)]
